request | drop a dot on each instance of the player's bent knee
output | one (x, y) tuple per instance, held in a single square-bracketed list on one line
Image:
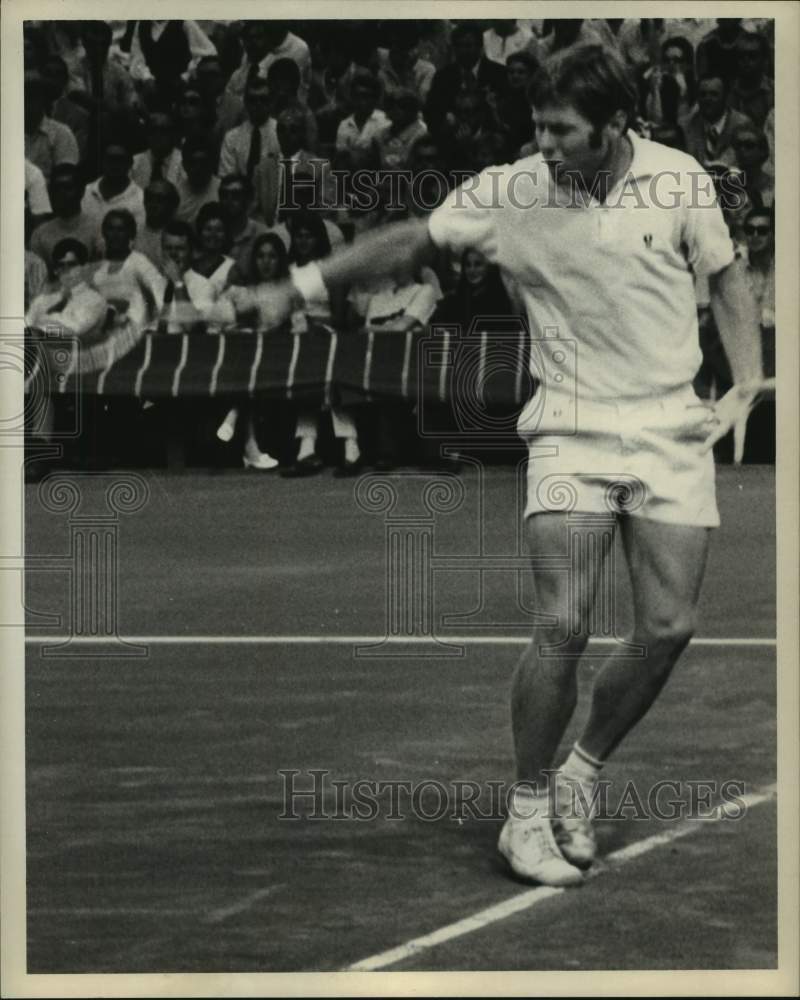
[(670, 632)]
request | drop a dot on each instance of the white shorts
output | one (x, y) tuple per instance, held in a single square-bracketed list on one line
[(640, 457)]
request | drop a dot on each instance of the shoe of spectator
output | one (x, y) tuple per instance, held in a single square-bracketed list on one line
[(261, 461), (347, 469), (308, 466)]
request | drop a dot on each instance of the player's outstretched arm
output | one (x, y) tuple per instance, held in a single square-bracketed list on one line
[(392, 248), (736, 313)]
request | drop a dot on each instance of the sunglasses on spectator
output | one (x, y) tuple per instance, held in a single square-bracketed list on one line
[(758, 230)]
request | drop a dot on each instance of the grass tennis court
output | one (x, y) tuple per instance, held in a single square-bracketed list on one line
[(154, 842)]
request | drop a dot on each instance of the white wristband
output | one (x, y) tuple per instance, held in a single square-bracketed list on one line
[(308, 281)]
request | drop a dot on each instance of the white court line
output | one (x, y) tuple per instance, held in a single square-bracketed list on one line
[(526, 900), (350, 640)]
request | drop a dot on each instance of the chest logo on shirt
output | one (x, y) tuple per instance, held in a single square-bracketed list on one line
[(648, 240)]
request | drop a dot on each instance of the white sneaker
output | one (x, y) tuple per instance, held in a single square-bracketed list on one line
[(530, 848), (261, 460), (572, 824)]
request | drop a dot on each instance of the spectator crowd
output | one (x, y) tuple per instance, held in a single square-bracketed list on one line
[(174, 170)]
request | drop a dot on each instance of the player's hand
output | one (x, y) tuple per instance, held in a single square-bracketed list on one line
[(728, 411)]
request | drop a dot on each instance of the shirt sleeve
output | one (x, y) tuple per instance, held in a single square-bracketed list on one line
[(227, 164), (36, 190), (467, 217), (708, 243), (423, 305)]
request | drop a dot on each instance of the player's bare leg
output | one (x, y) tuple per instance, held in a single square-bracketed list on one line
[(666, 564), (543, 699)]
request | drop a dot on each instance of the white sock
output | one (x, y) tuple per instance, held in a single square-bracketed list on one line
[(526, 803), (307, 447), (581, 766), (351, 450)]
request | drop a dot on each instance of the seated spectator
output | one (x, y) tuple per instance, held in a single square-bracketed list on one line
[(72, 306), (560, 34), (224, 109), (162, 159), (163, 51), (114, 189), (480, 292), (275, 179), (752, 152), (469, 122), (676, 66), (358, 134), (400, 305), (235, 198), (709, 130), (716, 53), (197, 184), (639, 39), (194, 118), (211, 247), (512, 112), (70, 218), (301, 199), (283, 83), (161, 202), (188, 296), (310, 242), (245, 146), (106, 86), (61, 108), (37, 200), (329, 93), (401, 70), (405, 127), (264, 43), (254, 304), (126, 279), (469, 69), (753, 91), (759, 256), (47, 142), (36, 276), (507, 37)]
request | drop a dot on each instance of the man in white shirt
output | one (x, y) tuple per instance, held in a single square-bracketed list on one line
[(162, 158), (36, 194), (188, 296), (114, 188), (264, 42), (603, 232), (197, 184), (245, 146), (66, 191), (47, 142), (506, 37), (358, 134)]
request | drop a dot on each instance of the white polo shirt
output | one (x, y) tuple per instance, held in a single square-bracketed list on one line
[(616, 278)]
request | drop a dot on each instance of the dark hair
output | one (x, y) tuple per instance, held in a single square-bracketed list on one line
[(284, 70), (70, 245), (211, 210), (198, 144), (712, 74), (679, 42), (230, 179), (591, 78), (465, 28), (313, 222), (762, 213), (68, 171), (280, 248), (762, 41), (527, 58), (177, 227), (367, 81), (172, 192), (755, 131), (102, 29), (126, 217)]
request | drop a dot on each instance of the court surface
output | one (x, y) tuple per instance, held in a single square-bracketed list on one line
[(153, 784)]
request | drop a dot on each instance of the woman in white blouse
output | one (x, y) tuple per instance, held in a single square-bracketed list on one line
[(254, 305), (213, 243)]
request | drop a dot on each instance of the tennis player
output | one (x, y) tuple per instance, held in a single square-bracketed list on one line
[(603, 232)]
